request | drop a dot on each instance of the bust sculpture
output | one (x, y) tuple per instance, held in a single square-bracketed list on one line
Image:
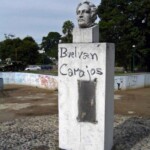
[(86, 14)]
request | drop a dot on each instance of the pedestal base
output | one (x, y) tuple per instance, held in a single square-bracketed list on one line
[(86, 77)]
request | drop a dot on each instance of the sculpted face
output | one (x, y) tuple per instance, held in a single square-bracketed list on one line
[(84, 16)]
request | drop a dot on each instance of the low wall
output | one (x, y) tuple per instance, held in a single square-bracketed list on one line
[(51, 82), (36, 80), (131, 81), (1, 83)]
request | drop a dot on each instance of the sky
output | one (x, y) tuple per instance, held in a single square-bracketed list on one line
[(36, 18)]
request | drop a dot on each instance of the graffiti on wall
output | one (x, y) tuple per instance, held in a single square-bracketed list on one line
[(81, 71), (118, 83), (50, 82), (47, 81), (125, 82), (42, 81)]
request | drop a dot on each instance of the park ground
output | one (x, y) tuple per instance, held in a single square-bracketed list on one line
[(22, 101)]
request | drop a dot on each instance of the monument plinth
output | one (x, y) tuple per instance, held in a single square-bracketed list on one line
[(86, 35), (86, 77)]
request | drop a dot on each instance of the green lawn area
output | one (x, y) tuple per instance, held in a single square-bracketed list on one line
[(46, 72), (55, 72)]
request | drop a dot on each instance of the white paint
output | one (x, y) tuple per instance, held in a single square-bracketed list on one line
[(50, 82), (131, 81), (1, 83), (117, 97), (147, 80), (48, 104), (74, 135), (36, 80), (33, 97), (131, 112), (14, 106)]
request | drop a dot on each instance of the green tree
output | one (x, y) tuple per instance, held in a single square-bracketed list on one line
[(8, 48), (126, 23), (30, 39), (50, 44), (25, 50), (28, 51), (67, 29)]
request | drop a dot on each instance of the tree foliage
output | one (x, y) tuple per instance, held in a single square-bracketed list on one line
[(127, 24), (67, 29), (28, 51), (25, 50), (50, 44)]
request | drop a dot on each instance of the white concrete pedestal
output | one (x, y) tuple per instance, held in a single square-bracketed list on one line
[(88, 35), (92, 63)]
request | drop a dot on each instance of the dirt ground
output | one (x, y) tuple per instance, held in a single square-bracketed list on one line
[(20, 101), (133, 102)]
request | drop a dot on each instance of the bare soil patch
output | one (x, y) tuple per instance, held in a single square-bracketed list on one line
[(133, 102), (18, 101)]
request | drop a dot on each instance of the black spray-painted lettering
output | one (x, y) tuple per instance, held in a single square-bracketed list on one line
[(62, 71), (64, 52), (67, 71)]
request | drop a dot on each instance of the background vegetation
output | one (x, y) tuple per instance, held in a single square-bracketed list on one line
[(123, 22), (127, 24)]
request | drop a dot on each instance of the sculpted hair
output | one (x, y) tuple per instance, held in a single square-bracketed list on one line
[(93, 10)]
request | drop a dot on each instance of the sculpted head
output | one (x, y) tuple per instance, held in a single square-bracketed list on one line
[(86, 14)]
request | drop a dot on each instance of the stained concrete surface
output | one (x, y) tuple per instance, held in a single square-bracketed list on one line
[(18, 101)]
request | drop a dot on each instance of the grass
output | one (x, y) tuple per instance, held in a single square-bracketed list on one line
[(54, 72), (45, 72), (129, 73)]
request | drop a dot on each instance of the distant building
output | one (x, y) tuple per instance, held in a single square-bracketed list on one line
[(42, 51)]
